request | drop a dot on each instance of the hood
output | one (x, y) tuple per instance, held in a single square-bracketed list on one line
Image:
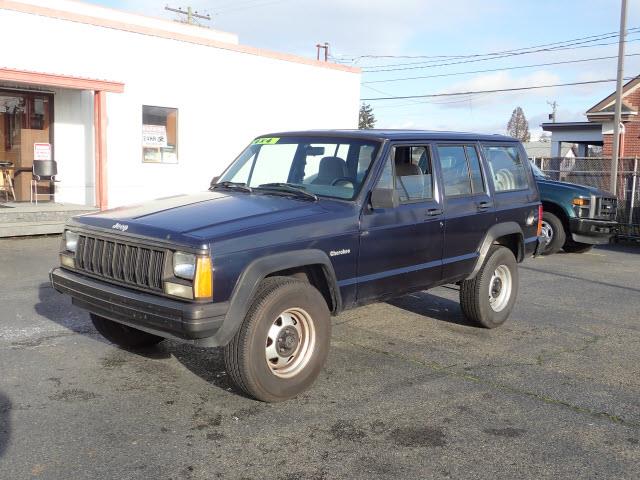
[(196, 219), (575, 188)]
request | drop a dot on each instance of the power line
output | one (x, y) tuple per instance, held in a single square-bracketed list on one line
[(248, 5), (594, 37), (514, 89), (498, 69), (436, 58), (492, 58)]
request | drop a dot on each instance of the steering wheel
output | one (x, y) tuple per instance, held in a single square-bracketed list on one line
[(343, 179)]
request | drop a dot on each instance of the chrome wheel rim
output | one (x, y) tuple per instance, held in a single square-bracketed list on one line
[(290, 342), (500, 288), (547, 231)]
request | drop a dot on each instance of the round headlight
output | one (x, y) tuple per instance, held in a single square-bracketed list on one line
[(71, 241), (184, 265)]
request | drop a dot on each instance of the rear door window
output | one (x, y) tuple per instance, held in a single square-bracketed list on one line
[(506, 167)]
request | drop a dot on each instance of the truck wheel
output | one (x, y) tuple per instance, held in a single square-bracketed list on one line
[(123, 335), (577, 247), (553, 231), (489, 297), (283, 341)]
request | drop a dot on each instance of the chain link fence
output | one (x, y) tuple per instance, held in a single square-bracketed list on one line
[(596, 172)]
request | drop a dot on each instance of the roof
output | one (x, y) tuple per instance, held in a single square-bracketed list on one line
[(626, 89), (549, 127), (543, 149), (380, 134), (98, 16)]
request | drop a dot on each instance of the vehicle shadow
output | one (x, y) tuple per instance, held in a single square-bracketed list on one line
[(207, 363), (5, 423), (58, 308), (432, 306)]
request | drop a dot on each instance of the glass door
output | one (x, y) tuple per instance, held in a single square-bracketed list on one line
[(25, 120)]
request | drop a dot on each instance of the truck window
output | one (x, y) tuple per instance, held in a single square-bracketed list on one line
[(414, 179), (506, 167)]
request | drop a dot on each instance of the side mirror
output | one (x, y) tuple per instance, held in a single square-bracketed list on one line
[(384, 198), (214, 180)]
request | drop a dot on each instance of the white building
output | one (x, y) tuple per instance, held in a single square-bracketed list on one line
[(135, 107)]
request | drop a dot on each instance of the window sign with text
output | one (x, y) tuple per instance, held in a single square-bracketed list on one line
[(159, 134)]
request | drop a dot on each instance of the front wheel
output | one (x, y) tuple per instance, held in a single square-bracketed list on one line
[(283, 342), (489, 297), (553, 231)]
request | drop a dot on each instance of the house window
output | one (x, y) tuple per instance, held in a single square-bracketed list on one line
[(159, 134)]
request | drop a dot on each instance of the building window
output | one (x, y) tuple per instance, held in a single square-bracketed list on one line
[(159, 134)]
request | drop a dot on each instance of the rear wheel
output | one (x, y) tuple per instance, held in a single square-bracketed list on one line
[(490, 296), (283, 342), (553, 231), (577, 247), (123, 335)]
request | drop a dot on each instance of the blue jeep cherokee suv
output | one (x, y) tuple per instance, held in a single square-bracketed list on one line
[(300, 226)]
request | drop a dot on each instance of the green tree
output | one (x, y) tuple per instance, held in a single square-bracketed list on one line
[(367, 118), (518, 127)]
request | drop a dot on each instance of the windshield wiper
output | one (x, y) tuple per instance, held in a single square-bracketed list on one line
[(287, 188), (232, 186)]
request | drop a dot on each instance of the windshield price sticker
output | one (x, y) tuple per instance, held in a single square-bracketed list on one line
[(265, 141)]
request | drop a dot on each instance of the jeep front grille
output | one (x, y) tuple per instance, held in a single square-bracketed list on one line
[(606, 208), (120, 262)]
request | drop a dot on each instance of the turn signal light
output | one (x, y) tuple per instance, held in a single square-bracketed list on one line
[(203, 283), (539, 220), (581, 202)]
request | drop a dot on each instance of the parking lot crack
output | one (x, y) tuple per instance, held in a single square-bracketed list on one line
[(469, 377)]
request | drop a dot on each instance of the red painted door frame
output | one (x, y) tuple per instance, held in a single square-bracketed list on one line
[(100, 129), (100, 89)]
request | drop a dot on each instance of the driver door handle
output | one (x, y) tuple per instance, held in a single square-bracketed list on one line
[(483, 205), (432, 212)]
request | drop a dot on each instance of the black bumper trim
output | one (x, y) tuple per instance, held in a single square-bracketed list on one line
[(164, 317), (596, 232)]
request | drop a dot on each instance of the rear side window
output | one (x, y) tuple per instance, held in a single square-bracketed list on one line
[(506, 168), (461, 170)]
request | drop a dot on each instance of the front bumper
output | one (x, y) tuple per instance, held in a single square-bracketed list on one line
[(595, 232), (160, 316)]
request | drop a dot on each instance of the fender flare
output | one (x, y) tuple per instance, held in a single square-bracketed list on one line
[(495, 232), (248, 281)]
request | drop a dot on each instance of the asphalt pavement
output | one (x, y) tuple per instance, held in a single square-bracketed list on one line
[(410, 390)]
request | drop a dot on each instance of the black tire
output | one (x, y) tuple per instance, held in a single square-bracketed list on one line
[(557, 236), (577, 247), (475, 293), (246, 355), (123, 335)]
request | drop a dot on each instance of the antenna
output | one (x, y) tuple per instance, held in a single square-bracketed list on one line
[(554, 106), (324, 47), (192, 15)]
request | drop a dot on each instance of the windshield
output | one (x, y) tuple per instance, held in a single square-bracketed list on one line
[(537, 172), (326, 166)]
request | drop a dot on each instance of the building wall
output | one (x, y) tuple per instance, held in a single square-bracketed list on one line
[(74, 150), (632, 131), (224, 98)]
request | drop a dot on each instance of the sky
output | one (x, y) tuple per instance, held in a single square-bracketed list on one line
[(358, 30)]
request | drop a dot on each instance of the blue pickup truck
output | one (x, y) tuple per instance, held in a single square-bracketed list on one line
[(301, 226), (576, 217)]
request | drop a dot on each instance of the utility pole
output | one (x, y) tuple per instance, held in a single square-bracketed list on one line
[(324, 47), (618, 113), (554, 106), (191, 15)]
